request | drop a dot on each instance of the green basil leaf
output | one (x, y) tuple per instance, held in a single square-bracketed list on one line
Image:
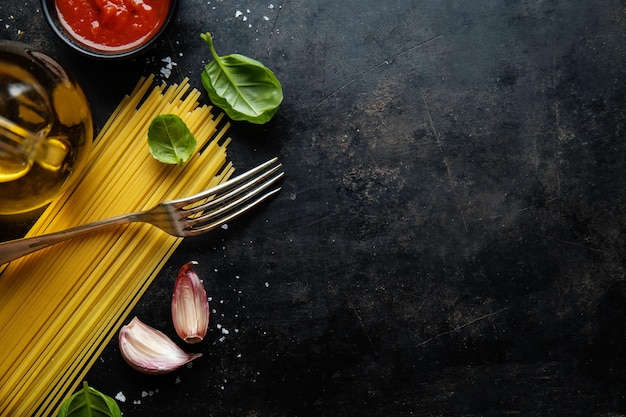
[(243, 87), (170, 140), (89, 402)]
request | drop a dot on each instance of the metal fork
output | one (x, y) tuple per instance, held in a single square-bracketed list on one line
[(189, 216)]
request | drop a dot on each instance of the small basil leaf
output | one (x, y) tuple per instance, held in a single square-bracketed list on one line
[(243, 87), (170, 140), (89, 402)]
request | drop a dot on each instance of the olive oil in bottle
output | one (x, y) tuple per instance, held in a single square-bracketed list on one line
[(45, 128)]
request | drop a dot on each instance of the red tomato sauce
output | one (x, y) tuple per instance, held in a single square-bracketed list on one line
[(112, 25)]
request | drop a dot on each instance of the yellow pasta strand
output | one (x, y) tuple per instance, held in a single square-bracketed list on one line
[(59, 307)]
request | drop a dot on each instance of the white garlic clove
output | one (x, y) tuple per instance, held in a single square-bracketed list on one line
[(190, 305), (150, 351)]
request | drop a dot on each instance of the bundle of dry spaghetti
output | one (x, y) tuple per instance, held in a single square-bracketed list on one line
[(59, 307)]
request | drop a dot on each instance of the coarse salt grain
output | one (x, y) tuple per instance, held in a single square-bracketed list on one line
[(120, 397), (166, 71)]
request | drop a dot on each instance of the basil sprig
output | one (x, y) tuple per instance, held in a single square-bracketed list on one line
[(170, 140), (89, 402), (243, 87)]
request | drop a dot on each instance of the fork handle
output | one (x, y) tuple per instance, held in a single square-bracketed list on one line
[(14, 249)]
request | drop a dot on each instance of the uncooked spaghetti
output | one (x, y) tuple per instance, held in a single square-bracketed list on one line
[(60, 306)]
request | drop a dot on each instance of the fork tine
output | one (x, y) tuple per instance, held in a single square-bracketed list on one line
[(186, 201), (196, 230), (216, 217), (224, 198)]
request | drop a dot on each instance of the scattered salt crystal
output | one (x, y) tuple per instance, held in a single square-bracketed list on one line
[(136, 402), (144, 394), (248, 11), (238, 13), (225, 226), (266, 18), (166, 71), (219, 326), (271, 6), (168, 61), (225, 331), (177, 381), (120, 397), (245, 18), (267, 284), (221, 339)]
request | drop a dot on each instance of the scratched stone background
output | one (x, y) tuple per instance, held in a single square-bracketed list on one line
[(450, 237)]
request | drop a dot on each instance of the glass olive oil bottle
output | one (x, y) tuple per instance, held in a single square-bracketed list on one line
[(45, 128)]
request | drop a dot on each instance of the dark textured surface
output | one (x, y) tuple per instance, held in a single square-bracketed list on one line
[(450, 238)]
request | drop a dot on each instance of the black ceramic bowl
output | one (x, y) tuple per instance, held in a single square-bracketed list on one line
[(52, 16)]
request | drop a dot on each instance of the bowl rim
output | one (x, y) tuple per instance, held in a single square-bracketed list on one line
[(49, 10)]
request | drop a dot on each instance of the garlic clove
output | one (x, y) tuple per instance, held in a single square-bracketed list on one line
[(150, 351), (190, 305)]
